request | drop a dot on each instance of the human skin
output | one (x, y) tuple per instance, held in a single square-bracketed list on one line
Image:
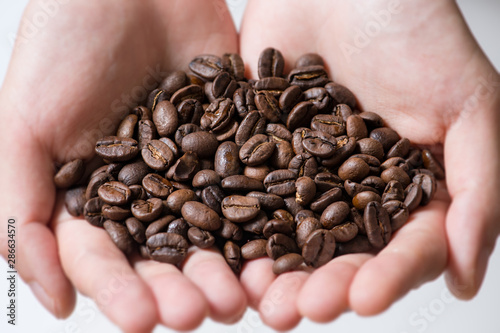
[(424, 73), (59, 95)]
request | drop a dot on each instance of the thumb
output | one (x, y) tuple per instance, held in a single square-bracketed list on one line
[(472, 156), (27, 199)]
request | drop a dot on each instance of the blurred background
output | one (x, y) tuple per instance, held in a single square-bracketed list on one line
[(429, 308)]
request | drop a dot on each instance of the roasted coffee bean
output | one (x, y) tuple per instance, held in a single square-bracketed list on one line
[(353, 188), (414, 158), (390, 162), (343, 111), (305, 228), (361, 200), (287, 263), (292, 206), (309, 59), (355, 127), (165, 118), (282, 155), (267, 201), (177, 198), (372, 120), (115, 213), (92, 211), (280, 182), (157, 186), (331, 124), (229, 230), (114, 193), (224, 85), (157, 155), (319, 144), (297, 138), (377, 225), (147, 210), (190, 111), (396, 173), (359, 244), (155, 97), (432, 164), (393, 191), (326, 180), (345, 147), (146, 133), (305, 190), (354, 169), (205, 178), (257, 172), (303, 214), (160, 225), (185, 167), (413, 196), (207, 66), (218, 115), (398, 213), (371, 147), (276, 226), (244, 101), (386, 136), (320, 98), (400, 149), (136, 229), (120, 236), (271, 63), (212, 196), (127, 126), (358, 219), (319, 248), (115, 149), (168, 247), (241, 183), (341, 94), (138, 192), (308, 77), (183, 131), (283, 215), (278, 132), (237, 208), (254, 249), (256, 225), (334, 214), (233, 63), (173, 82), (200, 216), (345, 232), (75, 200), (325, 199), (192, 91), (372, 161), (273, 85), (142, 112), (133, 173), (251, 125), (428, 185), (279, 245), (179, 226), (95, 182), (375, 182), (232, 254), (290, 97), (256, 150), (268, 106), (200, 238), (303, 165), (226, 162), (301, 115)]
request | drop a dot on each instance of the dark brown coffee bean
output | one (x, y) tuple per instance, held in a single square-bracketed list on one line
[(133, 173), (232, 254), (183, 131), (165, 118), (185, 167), (190, 111), (155, 97), (241, 183), (290, 97), (233, 63), (115, 149), (256, 225), (244, 101), (341, 94), (207, 66), (432, 164), (92, 211), (200, 238), (375, 182), (115, 213), (343, 111), (157, 186), (237, 208), (127, 126), (95, 182), (280, 182), (372, 120), (371, 147), (147, 210), (120, 236), (282, 155), (302, 215), (173, 82), (345, 232), (276, 226), (305, 228), (212, 196), (303, 165), (138, 192), (328, 123), (297, 138), (393, 191), (400, 149), (257, 172), (308, 77), (354, 169), (267, 201), (305, 190), (377, 225), (360, 244), (320, 98), (251, 125), (345, 147), (226, 162), (309, 59), (334, 214), (428, 185), (287, 263), (114, 193), (292, 206), (398, 213), (254, 249), (179, 226), (142, 112), (396, 173), (273, 85), (279, 245), (361, 200), (160, 225), (393, 161), (224, 85), (319, 248), (200, 216), (326, 180), (175, 200), (353, 188), (146, 133), (268, 106), (169, 248), (157, 155), (301, 115), (192, 91), (319, 144), (325, 199), (205, 178), (136, 229), (229, 230), (271, 63), (355, 127), (372, 161), (386, 136), (256, 150), (218, 115), (278, 133), (75, 200), (413, 196)]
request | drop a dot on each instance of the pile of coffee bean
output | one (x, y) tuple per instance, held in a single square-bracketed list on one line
[(285, 167)]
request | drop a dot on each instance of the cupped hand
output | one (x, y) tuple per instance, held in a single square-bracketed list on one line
[(419, 67), (67, 85)]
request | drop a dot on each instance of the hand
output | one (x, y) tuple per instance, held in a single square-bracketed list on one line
[(65, 87), (419, 67)]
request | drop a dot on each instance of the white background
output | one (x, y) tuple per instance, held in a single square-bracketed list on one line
[(405, 316)]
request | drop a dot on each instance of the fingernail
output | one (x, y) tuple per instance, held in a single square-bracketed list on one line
[(44, 298)]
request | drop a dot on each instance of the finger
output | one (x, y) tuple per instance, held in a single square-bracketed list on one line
[(181, 305), (417, 253), (325, 294), (27, 197), (278, 307), (208, 270), (98, 269), (473, 222), (256, 276)]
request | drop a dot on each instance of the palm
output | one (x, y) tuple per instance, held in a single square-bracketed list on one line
[(402, 72), (88, 66)]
